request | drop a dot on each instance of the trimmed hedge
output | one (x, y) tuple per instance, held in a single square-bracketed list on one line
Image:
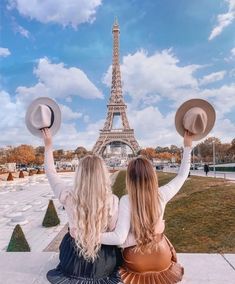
[(51, 218), (223, 169), (10, 177), (18, 242)]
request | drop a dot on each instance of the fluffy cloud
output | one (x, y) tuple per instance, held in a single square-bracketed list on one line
[(222, 98), (14, 132), (213, 77), (232, 52), (152, 128), (68, 114), (161, 79), (154, 125), (4, 52), (64, 12), (57, 81), (22, 31), (147, 77), (224, 20)]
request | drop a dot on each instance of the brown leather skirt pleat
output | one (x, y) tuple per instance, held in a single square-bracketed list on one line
[(157, 266)]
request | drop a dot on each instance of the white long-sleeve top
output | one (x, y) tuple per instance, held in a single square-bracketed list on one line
[(121, 235), (63, 192)]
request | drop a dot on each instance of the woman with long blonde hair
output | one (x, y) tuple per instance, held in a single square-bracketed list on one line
[(148, 255), (92, 209)]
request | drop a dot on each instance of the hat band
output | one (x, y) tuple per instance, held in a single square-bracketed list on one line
[(52, 118)]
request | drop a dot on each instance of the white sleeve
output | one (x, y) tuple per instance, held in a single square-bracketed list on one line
[(119, 235), (169, 190), (57, 184), (129, 242)]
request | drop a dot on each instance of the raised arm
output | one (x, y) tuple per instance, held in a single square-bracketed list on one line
[(119, 235), (169, 190), (57, 184)]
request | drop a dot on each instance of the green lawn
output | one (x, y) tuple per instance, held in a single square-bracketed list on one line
[(201, 217)]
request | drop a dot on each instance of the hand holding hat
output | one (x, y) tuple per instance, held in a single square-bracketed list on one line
[(43, 113), (196, 116)]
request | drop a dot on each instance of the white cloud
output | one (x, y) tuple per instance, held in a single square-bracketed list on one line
[(146, 77), (152, 128), (57, 81), (232, 52), (14, 132), (154, 125), (19, 29), (64, 12), (163, 79), (213, 77), (68, 114), (224, 20), (222, 98), (231, 55), (4, 52)]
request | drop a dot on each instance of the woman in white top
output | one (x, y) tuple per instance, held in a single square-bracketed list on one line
[(149, 257), (92, 209)]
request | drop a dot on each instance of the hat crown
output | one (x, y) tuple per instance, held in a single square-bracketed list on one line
[(41, 117), (195, 120)]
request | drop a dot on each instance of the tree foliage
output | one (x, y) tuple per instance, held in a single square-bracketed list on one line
[(18, 242), (23, 154), (51, 218), (81, 152)]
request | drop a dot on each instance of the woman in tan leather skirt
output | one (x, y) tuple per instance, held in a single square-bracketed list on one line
[(149, 257)]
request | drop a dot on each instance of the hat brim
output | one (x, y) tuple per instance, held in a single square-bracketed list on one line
[(57, 116), (207, 107)]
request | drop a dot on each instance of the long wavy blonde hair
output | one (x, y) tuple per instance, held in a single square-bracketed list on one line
[(142, 187), (91, 197)]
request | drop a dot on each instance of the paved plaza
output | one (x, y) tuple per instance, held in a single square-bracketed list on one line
[(31, 268), (24, 202)]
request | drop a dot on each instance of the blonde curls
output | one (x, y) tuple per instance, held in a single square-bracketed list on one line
[(91, 197)]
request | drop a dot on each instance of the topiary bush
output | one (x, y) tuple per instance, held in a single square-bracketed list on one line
[(51, 218), (21, 174), (31, 173), (18, 242), (10, 177)]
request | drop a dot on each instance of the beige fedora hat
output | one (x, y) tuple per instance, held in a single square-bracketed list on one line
[(43, 113), (197, 116)]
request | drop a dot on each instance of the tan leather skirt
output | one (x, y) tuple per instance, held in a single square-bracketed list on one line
[(158, 266)]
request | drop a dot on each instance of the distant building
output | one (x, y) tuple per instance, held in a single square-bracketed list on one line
[(10, 167)]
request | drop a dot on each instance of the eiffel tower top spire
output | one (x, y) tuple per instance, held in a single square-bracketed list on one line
[(116, 88)]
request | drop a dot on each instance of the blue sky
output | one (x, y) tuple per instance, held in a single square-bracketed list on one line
[(170, 51)]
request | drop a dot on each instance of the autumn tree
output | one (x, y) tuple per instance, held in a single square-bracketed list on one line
[(58, 154), (164, 156), (23, 154), (149, 153), (81, 152)]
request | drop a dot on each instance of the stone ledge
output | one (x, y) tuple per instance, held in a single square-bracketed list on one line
[(31, 268)]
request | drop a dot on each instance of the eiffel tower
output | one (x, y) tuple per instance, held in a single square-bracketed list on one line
[(116, 109)]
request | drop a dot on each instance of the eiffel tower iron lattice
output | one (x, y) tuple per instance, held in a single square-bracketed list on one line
[(116, 108)]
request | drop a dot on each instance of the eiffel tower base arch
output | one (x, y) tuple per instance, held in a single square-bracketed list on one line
[(126, 137)]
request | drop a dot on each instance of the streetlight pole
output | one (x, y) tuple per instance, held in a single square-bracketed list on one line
[(193, 160), (213, 144)]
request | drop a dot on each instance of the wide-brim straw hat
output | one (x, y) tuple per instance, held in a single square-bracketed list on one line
[(43, 113), (197, 116)]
